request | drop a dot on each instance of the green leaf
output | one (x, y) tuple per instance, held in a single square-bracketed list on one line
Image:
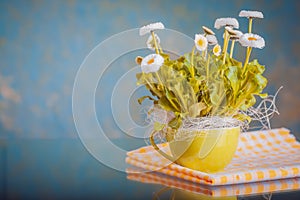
[(172, 99), (195, 109), (232, 74), (165, 104), (158, 126), (175, 123), (264, 95), (214, 97), (255, 68), (242, 117)]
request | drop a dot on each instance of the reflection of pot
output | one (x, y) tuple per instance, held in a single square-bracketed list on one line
[(207, 150), (182, 194)]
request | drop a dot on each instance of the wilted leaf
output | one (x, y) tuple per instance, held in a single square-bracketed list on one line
[(195, 109), (140, 100)]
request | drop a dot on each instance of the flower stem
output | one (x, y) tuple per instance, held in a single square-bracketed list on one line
[(160, 49), (231, 48), (225, 45), (171, 101), (207, 68), (249, 30), (249, 49), (158, 78), (192, 62), (250, 25), (155, 43), (204, 53), (158, 93)]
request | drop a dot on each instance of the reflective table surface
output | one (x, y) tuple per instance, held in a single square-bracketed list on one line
[(64, 169)]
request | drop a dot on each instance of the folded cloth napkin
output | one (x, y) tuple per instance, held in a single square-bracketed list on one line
[(261, 155), (262, 187)]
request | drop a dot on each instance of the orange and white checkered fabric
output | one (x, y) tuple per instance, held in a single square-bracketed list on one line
[(261, 155), (262, 187)]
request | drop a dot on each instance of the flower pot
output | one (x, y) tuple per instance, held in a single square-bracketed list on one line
[(207, 150)]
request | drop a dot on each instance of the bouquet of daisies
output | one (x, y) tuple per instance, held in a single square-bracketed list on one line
[(208, 83)]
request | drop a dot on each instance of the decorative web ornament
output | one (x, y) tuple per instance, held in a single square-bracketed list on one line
[(262, 113)]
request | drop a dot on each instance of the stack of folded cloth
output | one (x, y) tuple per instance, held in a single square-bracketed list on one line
[(260, 156), (261, 187)]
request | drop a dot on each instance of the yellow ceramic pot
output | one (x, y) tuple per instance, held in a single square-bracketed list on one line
[(209, 150)]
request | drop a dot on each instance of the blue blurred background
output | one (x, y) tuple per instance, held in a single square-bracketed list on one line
[(43, 43)]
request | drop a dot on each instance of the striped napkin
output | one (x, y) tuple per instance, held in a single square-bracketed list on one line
[(261, 155)]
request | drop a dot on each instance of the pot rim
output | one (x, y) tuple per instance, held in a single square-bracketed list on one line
[(191, 129)]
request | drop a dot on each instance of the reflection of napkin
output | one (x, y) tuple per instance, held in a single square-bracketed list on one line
[(215, 191), (261, 155)]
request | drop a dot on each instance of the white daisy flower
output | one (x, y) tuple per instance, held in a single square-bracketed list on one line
[(234, 37), (229, 30), (208, 31), (237, 33), (211, 39), (251, 14), (152, 63), (150, 42), (220, 22), (217, 50), (234, 34), (252, 40), (151, 27), (200, 42)]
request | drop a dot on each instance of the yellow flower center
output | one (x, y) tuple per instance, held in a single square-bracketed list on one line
[(200, 42), (252, 38), (150, 61), (216, 49)]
